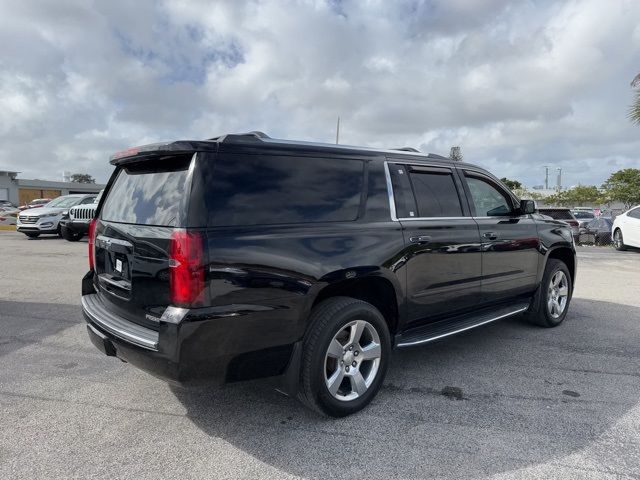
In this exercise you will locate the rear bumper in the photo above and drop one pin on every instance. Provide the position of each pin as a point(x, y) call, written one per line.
point(213, 345)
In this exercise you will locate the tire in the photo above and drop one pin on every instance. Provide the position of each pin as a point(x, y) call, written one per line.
point(70, 235)
point(331, 323)
point(547, 309)
point(618, 241)
point(32, 234)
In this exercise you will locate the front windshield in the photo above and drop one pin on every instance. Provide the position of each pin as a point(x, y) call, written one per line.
point(63, 202)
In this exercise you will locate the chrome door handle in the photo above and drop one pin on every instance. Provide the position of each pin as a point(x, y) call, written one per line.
point(422, 239)
point(490, 235)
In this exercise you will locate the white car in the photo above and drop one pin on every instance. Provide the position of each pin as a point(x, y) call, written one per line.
point(36, 221)
point(626, 229)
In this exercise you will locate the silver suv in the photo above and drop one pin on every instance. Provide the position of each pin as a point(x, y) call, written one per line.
point(46, 220)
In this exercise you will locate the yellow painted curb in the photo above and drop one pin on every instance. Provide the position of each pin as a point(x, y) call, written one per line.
point(11, 228)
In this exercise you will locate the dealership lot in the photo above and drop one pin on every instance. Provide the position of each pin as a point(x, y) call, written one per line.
point(504, 401)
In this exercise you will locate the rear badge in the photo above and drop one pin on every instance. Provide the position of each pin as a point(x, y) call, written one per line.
point(118, 265)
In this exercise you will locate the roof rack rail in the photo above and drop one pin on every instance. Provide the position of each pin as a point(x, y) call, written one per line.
point(407, 149)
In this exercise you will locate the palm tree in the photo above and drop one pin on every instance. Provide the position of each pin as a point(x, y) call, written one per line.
point(634, 110)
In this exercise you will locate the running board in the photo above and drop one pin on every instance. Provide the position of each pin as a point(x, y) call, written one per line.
point(444, 328)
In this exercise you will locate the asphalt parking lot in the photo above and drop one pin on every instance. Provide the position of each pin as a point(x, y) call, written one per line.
point(504, 401)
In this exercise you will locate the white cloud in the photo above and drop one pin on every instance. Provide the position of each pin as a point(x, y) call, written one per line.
point(517, 85)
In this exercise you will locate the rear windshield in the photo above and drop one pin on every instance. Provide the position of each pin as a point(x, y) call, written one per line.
point(149, 193)
point(264, 189)
point(558, 214)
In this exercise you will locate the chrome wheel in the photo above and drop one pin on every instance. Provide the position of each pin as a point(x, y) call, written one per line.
point(557, 294)
point(352, 360)
point(617, 239)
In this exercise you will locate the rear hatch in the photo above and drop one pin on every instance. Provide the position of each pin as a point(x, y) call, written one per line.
point(146, 203)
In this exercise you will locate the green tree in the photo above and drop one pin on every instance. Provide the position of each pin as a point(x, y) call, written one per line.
point(583, 194)
point(82, 178)
point(512, 184)
point(456, 154)
point(624, 186)
point(634, 110)
point(559, 199)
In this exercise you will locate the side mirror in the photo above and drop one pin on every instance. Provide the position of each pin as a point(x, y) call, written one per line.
point(527, 206)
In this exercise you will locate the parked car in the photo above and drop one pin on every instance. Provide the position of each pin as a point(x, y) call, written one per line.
point(245, 256)
point(8, 215)
point(6, 204)
point(584, 217)
point(597, 231)
point(46, 220)
point(626, 229)
point(37, 203)
point(75, 224)
point(565, 215)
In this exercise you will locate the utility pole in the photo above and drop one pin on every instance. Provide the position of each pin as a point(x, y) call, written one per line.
point(546, 177)
point(559, 179)
point(338, 131)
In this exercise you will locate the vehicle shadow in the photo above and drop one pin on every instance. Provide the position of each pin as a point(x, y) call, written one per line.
point(495, 399)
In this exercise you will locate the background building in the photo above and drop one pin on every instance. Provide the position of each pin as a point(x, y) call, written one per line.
point(20, 191)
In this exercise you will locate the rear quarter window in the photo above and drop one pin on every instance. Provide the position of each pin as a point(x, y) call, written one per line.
point(266, 190)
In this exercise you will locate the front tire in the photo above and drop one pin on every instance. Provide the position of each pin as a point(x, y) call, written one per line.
point(551, 303)
point(345, 356)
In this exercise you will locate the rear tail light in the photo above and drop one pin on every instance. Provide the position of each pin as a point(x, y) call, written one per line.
point(186, 268)
point(92, 244)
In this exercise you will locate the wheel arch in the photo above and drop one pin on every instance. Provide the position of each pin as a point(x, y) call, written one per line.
point(374, 288)
point(566, 255)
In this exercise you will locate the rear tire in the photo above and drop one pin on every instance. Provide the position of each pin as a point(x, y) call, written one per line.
point(31, 234)
point(551, 302)
point(344, 356)
point(618, 240)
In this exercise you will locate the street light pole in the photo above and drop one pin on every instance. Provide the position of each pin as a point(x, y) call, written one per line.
point(546, 177)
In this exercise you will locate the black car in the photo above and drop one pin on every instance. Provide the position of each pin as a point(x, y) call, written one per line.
point(598, 231)
point(244, 256)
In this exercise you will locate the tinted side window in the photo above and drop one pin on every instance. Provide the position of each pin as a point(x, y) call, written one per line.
point(264, 190)
point(402, 194)
point(436, 194)
point(487, 199)
point(635, 213)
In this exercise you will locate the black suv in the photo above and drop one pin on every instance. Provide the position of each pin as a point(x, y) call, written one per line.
point(244, 256)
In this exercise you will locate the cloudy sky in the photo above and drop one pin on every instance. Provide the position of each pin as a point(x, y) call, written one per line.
point(518, 85)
